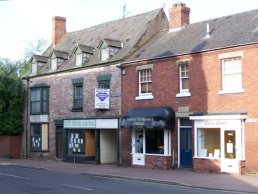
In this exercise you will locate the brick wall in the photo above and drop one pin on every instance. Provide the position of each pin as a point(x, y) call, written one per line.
point(205, 83)
point(61, 99)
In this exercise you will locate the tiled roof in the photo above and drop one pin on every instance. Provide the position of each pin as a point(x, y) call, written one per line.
point(131, 32)
point(228, 31)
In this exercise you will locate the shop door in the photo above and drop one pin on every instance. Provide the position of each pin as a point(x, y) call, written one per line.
point(185, 147)
point(59, 142)
point(138, 139)
point(229, 163)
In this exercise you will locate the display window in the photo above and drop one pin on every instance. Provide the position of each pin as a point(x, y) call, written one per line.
point(154, 141)
point(208, 142)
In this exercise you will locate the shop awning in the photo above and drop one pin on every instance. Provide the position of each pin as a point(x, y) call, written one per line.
point(149, 118)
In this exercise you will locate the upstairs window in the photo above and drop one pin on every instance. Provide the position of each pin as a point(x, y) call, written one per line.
point(104, 81)
point(232, 74)
point(39, 100)
point(145, 82)
point(56, 59)
point(108, 49)
point(34, 68)
point(183, 74)
point(78, 95)
point(82, 54)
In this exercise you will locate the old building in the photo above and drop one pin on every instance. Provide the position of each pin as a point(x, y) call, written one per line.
point(74, 89)
point(188, 96)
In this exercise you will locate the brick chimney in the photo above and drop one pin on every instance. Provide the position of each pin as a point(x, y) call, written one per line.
point(58, 29)
point(178, 15)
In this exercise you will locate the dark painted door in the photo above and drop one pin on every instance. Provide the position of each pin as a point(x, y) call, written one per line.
point(185, 147)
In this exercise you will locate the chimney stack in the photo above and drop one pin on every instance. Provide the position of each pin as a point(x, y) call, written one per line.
point(58, 29)
point(178, 15)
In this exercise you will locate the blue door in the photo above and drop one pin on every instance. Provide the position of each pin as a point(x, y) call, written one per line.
point(186, 147)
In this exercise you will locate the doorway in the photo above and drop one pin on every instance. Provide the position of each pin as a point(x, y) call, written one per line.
point(138, 146)
point(186, 147)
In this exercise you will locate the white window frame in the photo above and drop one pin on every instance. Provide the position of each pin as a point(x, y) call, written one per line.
point(34, 68)
point(183, 92)
point(53, 64)
point(230, 89)
point(148, 95)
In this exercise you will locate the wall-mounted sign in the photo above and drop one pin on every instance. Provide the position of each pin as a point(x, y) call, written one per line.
point(79, 124)
point(102, 98)
point(251, 120)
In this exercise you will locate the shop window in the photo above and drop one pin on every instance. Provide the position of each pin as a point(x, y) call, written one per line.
point(154, 141)
point(39, 100)
point(39, 137)
point(76, 142)
point(208, 142)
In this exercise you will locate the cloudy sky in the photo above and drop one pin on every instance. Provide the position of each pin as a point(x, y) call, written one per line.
point(26, 21)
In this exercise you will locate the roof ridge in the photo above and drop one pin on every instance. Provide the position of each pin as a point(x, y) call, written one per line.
point(113, 21)
point(225, 16)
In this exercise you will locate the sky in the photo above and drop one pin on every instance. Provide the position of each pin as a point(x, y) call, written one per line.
point(25, 21)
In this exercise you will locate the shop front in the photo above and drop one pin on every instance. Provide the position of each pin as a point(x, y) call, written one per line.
point(151, 136)
point(91, 140)
point(218, 143)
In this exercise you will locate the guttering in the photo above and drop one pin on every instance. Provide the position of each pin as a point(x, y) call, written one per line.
point(176, 55)
point(74, 69)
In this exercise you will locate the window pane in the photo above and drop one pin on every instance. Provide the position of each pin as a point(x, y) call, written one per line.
point(76, 141)
point(35, 95)
point(154, 141)
point(185, 83)
point(78, 96)
point(44, 100)
point(79, 59)
point(139, 141)
point(232, 74)
point(53, 65)
point(36, 137)
point(145, 81)
point(34, 68)
point(104, 54)
point(208, 142)
point(104, 85)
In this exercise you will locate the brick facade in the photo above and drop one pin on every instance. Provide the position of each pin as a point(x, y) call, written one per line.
point(61, 100)
point(205, 79)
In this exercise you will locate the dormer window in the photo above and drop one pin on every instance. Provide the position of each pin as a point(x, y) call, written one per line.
point(108, 49)
point(82, 54)
point(37, 62)
point(56, 59)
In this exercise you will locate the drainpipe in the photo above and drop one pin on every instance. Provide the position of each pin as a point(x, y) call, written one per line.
point(27, 121)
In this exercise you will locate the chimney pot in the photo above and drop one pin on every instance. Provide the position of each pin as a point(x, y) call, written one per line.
point(58, 29)
point(178, 15)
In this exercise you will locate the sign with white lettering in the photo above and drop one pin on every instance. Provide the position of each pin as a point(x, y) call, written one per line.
point(102, 98)
point(251, 120)
point(80, 124)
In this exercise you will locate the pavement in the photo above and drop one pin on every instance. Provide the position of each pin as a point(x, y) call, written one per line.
point(231, 183)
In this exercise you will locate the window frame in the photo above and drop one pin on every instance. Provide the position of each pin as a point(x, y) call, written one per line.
point(144, 82)
point(183, 92)
point(228, 89)
point(77, 82)
point(40, 101)
point(40, 149)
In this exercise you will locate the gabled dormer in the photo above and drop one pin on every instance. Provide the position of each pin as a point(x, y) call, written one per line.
point(108, 48)
point(82, 54)
point(56, 58)
point(37, 62)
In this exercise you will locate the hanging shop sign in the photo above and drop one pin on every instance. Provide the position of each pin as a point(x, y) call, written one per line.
point(102, 98)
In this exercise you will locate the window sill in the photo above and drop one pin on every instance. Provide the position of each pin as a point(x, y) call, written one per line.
point(183, 94)
point(145, 97)
point(77, 109)
point(231, 92)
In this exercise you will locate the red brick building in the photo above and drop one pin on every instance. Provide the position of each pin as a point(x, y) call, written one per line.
point(188, 96)
point(74, 89)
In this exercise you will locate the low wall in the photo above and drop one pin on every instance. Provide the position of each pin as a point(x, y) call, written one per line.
point(206, 165)
point(10, 147)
